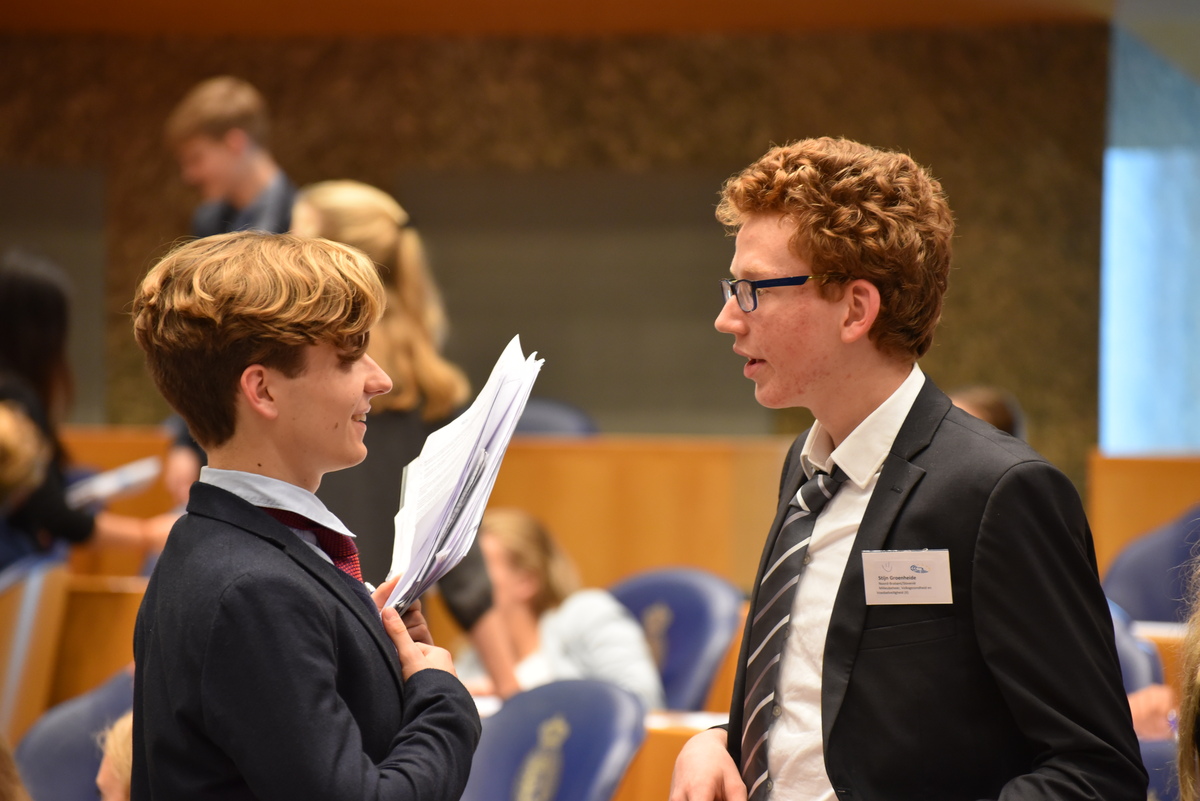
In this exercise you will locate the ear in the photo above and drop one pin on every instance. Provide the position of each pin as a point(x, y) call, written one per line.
point(861, 301)
point(255, 391)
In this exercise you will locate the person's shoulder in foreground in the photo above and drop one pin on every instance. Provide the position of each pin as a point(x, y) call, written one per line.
point(1011, 689)
point(264, 670)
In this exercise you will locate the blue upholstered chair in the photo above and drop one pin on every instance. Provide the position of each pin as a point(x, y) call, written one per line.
point(564, 741)
point(551, 417)
point(1141, 664)
point(690, 618)
point(1149, 576)
point(1159, 758)
point(59, 756)
point(33, 593)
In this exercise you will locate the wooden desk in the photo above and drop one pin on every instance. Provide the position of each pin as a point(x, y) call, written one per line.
point(619, 505)
point(97, 632)
point(103, 448)
point(1168, 638)
point(1166, 487)
point(649, 775)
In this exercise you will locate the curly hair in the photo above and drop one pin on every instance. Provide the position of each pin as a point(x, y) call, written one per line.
point(214, 306)
point(860, 213)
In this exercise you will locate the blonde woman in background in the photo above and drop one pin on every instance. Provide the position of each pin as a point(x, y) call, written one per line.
point(558, 631)
point(427, 391)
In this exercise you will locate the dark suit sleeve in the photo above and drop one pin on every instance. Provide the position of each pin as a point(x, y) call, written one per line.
point(289, 731)
point(1038, 607)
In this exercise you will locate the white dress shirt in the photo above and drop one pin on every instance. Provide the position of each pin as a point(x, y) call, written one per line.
point(275, 494)
point(795, 753)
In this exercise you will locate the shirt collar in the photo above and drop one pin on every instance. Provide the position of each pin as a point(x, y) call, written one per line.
point(862, 453)
point(262, 490)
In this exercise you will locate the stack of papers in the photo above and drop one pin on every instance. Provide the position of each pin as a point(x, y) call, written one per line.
point(444, 490)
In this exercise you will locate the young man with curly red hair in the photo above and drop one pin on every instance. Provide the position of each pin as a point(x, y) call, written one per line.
point(927, 621)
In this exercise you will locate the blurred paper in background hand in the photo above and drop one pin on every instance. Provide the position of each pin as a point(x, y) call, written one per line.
point(445, 489)
point(122, 480)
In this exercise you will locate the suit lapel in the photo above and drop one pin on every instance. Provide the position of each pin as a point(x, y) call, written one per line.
point(897, 479)
point(219, 504)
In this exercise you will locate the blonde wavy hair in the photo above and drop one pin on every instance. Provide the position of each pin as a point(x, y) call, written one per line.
point(1189, 706)
point(862, 213)
point(532, 550)
point(408, 340)
point(214, 306)
point(116, 743)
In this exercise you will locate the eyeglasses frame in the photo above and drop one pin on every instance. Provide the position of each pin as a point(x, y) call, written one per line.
point(729, 287)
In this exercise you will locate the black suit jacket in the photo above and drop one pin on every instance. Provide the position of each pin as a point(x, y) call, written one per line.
point(1011, 692)
point(263, 673)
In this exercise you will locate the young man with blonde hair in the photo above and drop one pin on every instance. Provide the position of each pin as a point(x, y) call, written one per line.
point(219, 133)
point(264, 669)
point(926, 622)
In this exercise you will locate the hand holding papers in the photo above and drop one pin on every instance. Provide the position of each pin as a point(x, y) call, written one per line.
point(445, 489)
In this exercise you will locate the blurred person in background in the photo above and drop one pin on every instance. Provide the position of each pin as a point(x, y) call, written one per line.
point(558, 630)
point(35, 377)
point(219, 133)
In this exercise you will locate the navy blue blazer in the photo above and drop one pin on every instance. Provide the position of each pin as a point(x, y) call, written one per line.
point(1014, 690)
point(262, 673)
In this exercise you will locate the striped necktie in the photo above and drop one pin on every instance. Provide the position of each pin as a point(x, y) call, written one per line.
point(771, 613)
point(341, 549)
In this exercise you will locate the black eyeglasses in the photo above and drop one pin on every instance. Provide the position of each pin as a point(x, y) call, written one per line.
point(747, 291)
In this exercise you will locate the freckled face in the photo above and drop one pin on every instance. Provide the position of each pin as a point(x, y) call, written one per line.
point(791, 341)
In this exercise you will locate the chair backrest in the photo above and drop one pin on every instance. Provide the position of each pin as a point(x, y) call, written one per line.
point(59, 756)
point(564, 741)
point(1159, 758)
point(1141, 664)
point(690, 616)
point(548, 416)
point(33, 595)
point(1148, 578)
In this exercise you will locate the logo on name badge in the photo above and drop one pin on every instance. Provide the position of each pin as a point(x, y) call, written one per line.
point(917, 569)
point(887, 566)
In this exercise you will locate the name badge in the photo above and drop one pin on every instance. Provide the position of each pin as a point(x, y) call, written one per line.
point(907, 577)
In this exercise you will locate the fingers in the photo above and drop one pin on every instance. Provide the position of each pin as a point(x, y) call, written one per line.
point(704, 771)
point(414, 656)
point(412, 659)
point(418, 627)
point(384, 591)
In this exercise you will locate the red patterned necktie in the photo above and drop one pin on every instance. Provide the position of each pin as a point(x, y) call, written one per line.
point(341, 549)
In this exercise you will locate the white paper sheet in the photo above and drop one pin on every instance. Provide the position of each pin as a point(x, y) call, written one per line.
point(445, 489)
